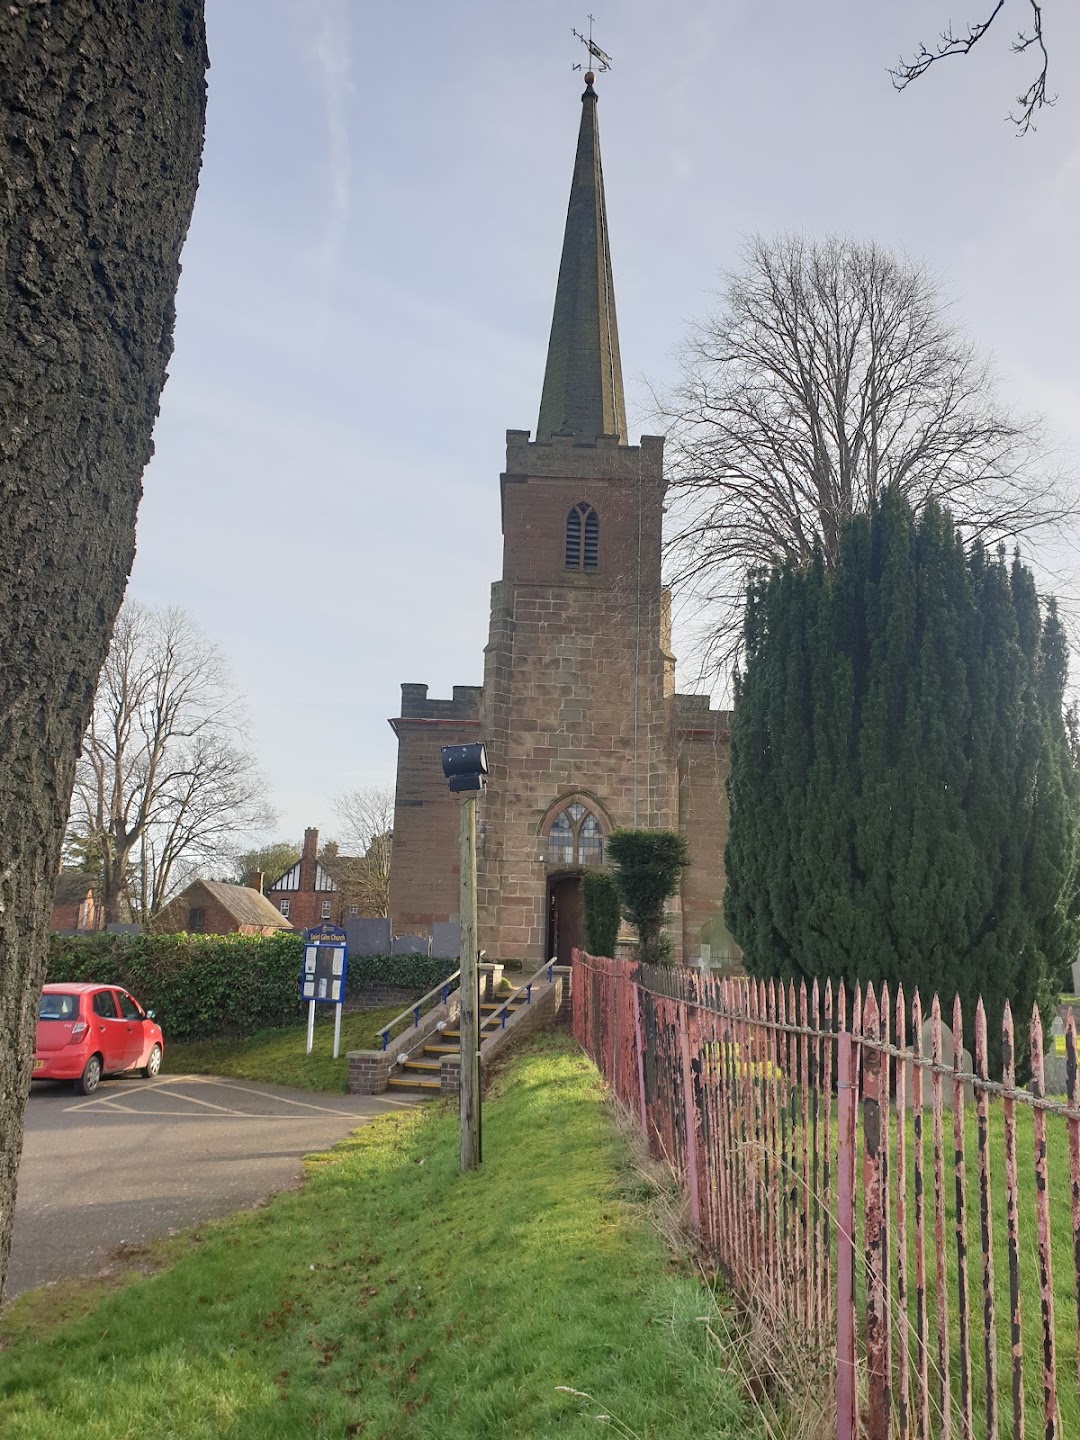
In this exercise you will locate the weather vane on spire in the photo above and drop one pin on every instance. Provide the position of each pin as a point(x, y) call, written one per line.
point(601, 57)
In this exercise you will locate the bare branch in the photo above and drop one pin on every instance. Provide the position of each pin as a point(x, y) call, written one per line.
point(367, 818)
point(949, 44)
point(832, 371)
point(163, 784)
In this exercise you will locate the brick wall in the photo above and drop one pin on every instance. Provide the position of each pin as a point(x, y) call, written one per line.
point(380, 997)
point(80, 910)
point(369, 1070)
point(306, 903)
point(84, 915)
point(216, 919)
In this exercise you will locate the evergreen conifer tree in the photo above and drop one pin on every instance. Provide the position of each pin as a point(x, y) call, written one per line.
point(904, 789)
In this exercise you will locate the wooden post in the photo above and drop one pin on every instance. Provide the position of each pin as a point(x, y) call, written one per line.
point(470, 1010)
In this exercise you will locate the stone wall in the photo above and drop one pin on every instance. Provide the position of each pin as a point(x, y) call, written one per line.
point(569, 653)
point(424, 871)
point(703, 737)
point(545, 1008)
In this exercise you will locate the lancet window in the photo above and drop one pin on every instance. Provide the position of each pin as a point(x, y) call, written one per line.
point(582, 537)
point(575, 837)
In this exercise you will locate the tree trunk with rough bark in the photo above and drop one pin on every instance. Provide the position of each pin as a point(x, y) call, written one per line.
point(101, 123)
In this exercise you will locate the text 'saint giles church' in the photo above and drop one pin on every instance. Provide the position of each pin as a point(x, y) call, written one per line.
point(584, 730)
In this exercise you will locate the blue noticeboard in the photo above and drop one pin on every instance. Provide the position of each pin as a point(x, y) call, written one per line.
point(322, 979)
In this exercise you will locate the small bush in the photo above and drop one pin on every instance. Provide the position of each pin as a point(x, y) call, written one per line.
point(602, 912)
point(648, 864)
point(205, 985)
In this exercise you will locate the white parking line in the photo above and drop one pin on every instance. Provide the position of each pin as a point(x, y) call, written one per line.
point(171, 1083)
point(225, 1115)
point(281, 1099)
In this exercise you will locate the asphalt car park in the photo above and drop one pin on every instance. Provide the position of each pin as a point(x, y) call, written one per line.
point(141, 1158)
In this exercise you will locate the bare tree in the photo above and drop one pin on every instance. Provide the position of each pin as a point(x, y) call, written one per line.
point(367, 820)
point(949, 43)
point(163, 783)
point(832, 371)
point(101, 126)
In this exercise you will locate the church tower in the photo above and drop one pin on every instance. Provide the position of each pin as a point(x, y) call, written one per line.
point(583, 730)
point(577, 674)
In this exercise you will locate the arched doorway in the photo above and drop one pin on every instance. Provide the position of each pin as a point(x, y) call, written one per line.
point(574, 839)
point(566, 917)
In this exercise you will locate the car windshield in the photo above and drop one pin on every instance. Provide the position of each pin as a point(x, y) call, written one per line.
point(58, 1007)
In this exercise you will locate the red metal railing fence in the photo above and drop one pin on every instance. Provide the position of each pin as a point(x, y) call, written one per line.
point(811, 1136)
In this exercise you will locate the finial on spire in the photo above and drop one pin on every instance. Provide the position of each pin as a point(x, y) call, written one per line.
point(602, 58)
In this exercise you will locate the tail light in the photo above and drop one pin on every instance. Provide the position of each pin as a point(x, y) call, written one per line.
point(78, 1030)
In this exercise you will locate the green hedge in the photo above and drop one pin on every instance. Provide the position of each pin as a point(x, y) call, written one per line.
point(204, 985)
point(602, 912)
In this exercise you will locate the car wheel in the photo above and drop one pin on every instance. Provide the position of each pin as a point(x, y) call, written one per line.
point(153, 1064)
point(88, 1081)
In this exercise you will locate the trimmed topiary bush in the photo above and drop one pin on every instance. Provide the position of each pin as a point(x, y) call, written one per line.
point(648, 864)
point(602, 912)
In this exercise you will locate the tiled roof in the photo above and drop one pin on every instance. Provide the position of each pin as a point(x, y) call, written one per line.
point(72, 887)
point(246, 906)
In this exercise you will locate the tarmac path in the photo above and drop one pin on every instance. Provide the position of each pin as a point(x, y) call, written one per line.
point(142, 1158)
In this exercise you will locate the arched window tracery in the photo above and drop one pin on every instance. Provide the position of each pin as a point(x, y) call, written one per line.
point(575, 837)
point(582, 537)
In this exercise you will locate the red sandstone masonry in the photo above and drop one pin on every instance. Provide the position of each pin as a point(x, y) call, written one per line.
point(566, 653)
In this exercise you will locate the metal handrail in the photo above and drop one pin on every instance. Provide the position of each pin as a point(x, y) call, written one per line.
point(526, 988)
point(414, 1009)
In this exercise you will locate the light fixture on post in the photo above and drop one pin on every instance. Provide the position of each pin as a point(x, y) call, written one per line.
point(466, 769)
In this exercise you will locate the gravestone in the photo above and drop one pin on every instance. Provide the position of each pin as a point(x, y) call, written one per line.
point(947, 1053)
point(1054, 1072)
point(410, 945)
point(368, 936)
point(445, 939)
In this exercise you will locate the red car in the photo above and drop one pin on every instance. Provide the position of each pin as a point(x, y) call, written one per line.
point(87, 1031)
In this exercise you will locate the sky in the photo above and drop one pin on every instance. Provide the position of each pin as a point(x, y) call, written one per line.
point(368, 282)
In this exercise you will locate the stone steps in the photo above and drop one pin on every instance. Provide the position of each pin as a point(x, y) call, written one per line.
point(420, 1076)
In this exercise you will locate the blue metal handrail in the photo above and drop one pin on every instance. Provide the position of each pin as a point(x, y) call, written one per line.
point(525, 989)
point(443, 989)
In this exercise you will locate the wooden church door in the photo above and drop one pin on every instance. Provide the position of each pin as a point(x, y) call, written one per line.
point(566, 918)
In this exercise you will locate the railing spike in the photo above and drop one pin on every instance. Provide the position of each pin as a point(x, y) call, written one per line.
point(1042, 1222)
point(1012, 1218)
point(1072, 1083)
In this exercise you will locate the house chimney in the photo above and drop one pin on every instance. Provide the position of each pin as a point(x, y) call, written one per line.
point(255, 881)
point(309, 861)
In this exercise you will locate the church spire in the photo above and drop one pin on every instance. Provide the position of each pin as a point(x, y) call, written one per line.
point(583, 388)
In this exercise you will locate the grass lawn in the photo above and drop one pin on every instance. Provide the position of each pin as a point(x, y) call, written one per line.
point(397, 1299)
point(277, 1056)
